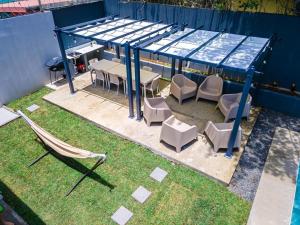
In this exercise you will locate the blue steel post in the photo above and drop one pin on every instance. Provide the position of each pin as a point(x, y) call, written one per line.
point(173, 65)
point(129, 79)
point(136, 53)
point(65, 60)
point(239, 115)
point(180, 66)
point(118, 51)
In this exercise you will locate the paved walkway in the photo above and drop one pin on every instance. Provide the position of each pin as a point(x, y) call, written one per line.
point(247, 175)
point(274, 199)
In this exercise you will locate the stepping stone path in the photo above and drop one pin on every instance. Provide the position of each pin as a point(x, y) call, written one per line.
point(158, 174)
point(32, 108)
point(122, 216)
point(141, 194)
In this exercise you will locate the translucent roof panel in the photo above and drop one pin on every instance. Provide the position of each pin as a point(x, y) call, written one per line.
point(246, 53)
point(216, 50)
point(140, 33)
point(186, 45)
point(123, 31)
point(102, 27)
point(165, 41)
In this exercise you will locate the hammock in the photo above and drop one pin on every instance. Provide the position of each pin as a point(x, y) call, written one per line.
point(52, 143)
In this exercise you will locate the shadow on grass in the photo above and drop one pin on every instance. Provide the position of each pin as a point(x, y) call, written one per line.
point(75, 165)
point(19, 206)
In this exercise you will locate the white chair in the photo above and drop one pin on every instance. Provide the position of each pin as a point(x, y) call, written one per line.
point(91, 61)
point(219, 134)
point(116, 60)
point(147, 68)
point(116, 80)
point(153, 86)
point(101, 76)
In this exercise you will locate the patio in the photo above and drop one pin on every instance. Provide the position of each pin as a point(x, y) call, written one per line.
point(110, 112)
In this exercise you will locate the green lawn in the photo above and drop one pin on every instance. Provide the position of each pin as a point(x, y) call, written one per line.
point(37, 193)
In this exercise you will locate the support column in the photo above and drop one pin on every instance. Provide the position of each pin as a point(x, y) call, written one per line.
point(180, 66)
point(129, 79)
point(118, 51)
point(136, 53)
point(173, 67)
point(64, 58)
point(239, 115)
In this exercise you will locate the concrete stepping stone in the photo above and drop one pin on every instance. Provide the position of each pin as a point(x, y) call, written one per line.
point(158, 174)
point(141, 194)
point(32, 108)
point(122, 216)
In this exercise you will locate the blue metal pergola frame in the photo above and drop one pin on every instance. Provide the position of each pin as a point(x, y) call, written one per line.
point(142, 42)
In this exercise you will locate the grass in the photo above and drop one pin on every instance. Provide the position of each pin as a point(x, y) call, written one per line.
point(37, 193)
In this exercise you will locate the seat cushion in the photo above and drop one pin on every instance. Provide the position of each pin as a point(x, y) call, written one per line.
point(160, 105)
point(226, 103)
point(178, 125)
point(187, 90)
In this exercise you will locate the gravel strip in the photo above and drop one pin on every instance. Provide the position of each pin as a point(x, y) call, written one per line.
point(247, 175)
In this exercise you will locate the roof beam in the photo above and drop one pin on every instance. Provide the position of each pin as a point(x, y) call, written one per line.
point(87, 23)
point(201, 46)
point(132, 32)
point(153, 32)
point(115, 28)
point(150, 40)
point(178, 39)
point(96, 25)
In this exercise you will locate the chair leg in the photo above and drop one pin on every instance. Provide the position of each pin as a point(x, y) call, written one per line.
point(152, 93)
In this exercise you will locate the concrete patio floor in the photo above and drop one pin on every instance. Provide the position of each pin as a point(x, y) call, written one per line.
point(110, 112)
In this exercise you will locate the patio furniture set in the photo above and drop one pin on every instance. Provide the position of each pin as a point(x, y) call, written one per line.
point(113, 72)
point(176, 133)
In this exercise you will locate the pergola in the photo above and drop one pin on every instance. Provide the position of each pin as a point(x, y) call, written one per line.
point(222, 50)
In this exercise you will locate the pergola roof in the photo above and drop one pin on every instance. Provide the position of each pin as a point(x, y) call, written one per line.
point(232, 51)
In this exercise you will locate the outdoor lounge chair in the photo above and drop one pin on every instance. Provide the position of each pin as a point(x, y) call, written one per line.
point(211, 88)
point(156, 110)
point(229, 104)
point(51, 144)
point(219, 134)
point(176, 133)
point(182, 87)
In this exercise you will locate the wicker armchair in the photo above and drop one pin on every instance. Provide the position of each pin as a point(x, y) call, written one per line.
point(182, 87)
point(177, 133)
point(156, 110)
point(211, 88)
point(219, 134)
point(229, 104)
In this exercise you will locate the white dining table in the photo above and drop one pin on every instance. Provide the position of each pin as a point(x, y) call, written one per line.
point(146, 77)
